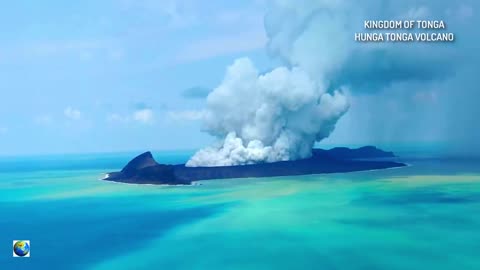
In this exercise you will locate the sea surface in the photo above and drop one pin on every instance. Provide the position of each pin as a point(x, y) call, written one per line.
point(424, 216)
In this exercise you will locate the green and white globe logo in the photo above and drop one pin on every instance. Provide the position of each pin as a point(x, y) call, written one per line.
point(21, 248)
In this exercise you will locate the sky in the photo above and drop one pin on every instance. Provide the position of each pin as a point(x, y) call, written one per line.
point(95, 76)
point(125, 75)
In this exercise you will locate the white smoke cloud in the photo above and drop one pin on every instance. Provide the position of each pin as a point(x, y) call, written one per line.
point(280, 115)
point(265, 118)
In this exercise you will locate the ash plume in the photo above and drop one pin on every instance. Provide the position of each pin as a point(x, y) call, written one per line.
point(279, 115)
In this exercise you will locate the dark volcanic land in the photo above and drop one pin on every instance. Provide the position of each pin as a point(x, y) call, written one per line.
point(143, 169)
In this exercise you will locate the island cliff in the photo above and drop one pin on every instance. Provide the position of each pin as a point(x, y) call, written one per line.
point(143, 169)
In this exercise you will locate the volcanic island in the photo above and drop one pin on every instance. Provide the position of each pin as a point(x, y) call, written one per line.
point(144, 169)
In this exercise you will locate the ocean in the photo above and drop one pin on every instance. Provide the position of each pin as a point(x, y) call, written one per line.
point(424, 216)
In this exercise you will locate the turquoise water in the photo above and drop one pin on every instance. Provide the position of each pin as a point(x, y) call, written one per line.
point(421, 217)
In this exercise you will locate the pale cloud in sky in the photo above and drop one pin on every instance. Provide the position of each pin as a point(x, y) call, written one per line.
point(72, 114)
point(143, 116)
point(117, 118)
